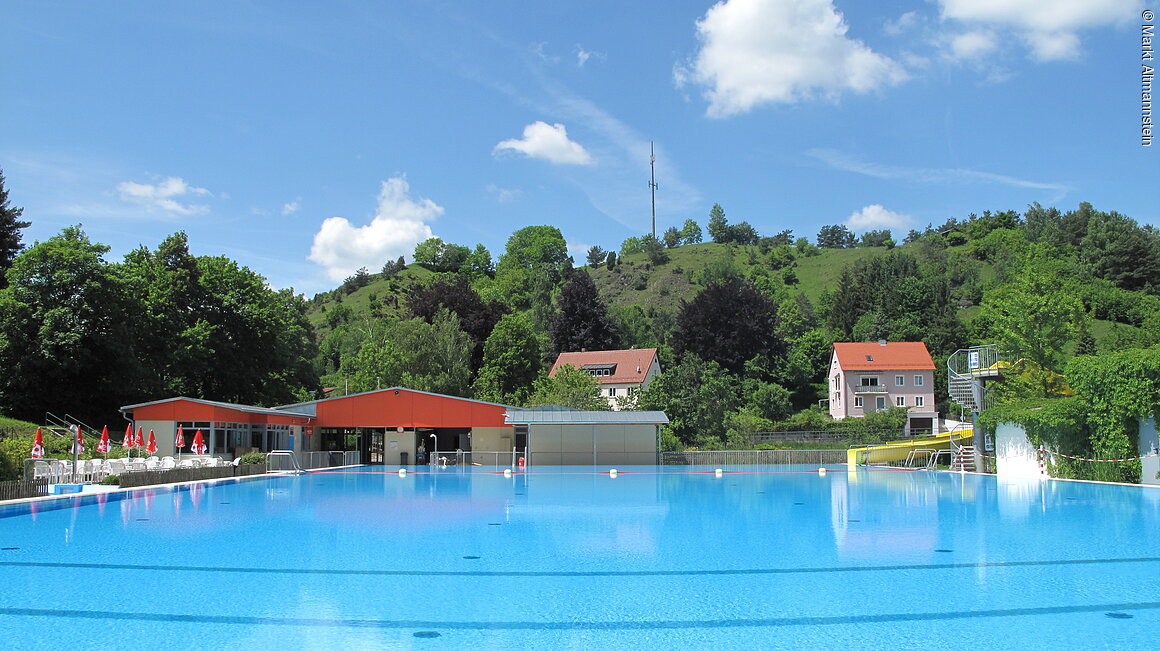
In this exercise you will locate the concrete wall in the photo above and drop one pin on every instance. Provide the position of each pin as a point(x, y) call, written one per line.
point(164, 431)
point(1149, 444)
point(615, 444)
point(1015, 456)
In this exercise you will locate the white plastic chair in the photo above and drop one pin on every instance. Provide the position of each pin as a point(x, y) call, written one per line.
point(41, 470)
point(167, 463)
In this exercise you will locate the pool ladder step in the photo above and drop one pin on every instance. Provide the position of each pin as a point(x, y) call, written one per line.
point(964, 460)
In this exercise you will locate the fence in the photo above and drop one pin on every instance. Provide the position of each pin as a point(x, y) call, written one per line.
point(752, 457)
point(24, 488)
point(312, 460)
point(154, 477)
point(828, 436)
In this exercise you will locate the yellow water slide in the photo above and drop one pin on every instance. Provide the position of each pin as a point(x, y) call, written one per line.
point(900, 450)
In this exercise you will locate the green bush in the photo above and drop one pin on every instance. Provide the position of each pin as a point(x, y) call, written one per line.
point(111, 480)
point(253, 459)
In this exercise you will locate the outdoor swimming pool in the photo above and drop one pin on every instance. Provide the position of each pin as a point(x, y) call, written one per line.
point(764, 557)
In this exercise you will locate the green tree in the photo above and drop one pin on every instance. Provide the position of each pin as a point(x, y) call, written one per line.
point(876, 238)
point(1038, 314)
point(718, 225)
point(10, 227)
point(596, 256)
point(631, 245)
point(581, 321)
point(532, 266)
point(476, 316)
point(569, 387)
point(511, 362)
point(696, 396)
point(728, 323)
point(671, 237)
point(657, 255)
point(835, 236)
point(478, 264)
point(690, 232)
point(423, 356)
point(66, 339)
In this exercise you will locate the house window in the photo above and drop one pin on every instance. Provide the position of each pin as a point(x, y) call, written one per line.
point(838, 398)
point(919, 401)
point(899, 380)
point(632, 390)
point(611, 392)
point(918, 380)
point(857, 401)
point(900, 401)
point(880, 403)
point(869, 380)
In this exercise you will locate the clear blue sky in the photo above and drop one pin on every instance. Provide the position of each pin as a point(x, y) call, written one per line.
point(307, 139)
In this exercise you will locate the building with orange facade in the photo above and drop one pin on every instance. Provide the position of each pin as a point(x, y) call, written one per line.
point(399, 426)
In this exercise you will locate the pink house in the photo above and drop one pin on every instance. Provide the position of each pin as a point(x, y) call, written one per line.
point(869, 377)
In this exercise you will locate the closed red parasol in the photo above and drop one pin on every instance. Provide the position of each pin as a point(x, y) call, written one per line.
point(103, 445)
point(38, 445)
point(179, 441)
point(79, 444)
point(151, 446)
point(198, 446)
point(127, 442)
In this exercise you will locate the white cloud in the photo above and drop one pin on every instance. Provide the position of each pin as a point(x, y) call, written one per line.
point(903, 23)
point(292, 207)
point(549, 142)
point(972, 45)
point(1048, 28)
point(398, 225)
point(840, 161)
point(582, 56)
point(876, 216)
point(504, 195)
point(756, 52)
point(163, 195)
point(540, 50)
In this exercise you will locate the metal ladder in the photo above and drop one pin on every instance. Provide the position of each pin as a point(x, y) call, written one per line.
point(964, 460)
point(295, 467)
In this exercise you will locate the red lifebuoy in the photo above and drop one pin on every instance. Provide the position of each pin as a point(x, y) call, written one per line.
point(521, 463)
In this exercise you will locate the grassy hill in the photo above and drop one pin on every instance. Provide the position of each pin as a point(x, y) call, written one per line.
point(634, 281)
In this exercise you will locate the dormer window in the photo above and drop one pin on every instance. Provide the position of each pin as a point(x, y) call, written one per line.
point(599, 370)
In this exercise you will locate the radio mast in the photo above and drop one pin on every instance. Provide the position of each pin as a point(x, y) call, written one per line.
point(652, 184)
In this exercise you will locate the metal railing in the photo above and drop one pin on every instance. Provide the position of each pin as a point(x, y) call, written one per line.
point(331, 459)
point(752, 457)
point(282, 461)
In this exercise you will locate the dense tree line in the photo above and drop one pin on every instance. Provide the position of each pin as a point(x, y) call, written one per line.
point(80, 335)
point(744, 350)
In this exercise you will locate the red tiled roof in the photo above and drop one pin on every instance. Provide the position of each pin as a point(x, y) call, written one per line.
point(869, 356)
point(631, 365)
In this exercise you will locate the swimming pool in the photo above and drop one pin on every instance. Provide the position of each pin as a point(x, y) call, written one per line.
point(764, 557)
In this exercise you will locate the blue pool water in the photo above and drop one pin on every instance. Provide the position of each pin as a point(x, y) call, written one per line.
point(673, 557)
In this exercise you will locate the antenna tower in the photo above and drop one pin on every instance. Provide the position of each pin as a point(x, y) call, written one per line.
point(652, 184)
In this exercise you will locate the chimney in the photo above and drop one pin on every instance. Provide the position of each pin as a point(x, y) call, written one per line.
point(881, 342)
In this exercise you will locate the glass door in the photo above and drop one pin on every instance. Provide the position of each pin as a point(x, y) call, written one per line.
point(375, 449)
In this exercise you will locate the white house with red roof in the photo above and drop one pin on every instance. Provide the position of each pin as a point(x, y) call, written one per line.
point(619, 372)
point(866, 377)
